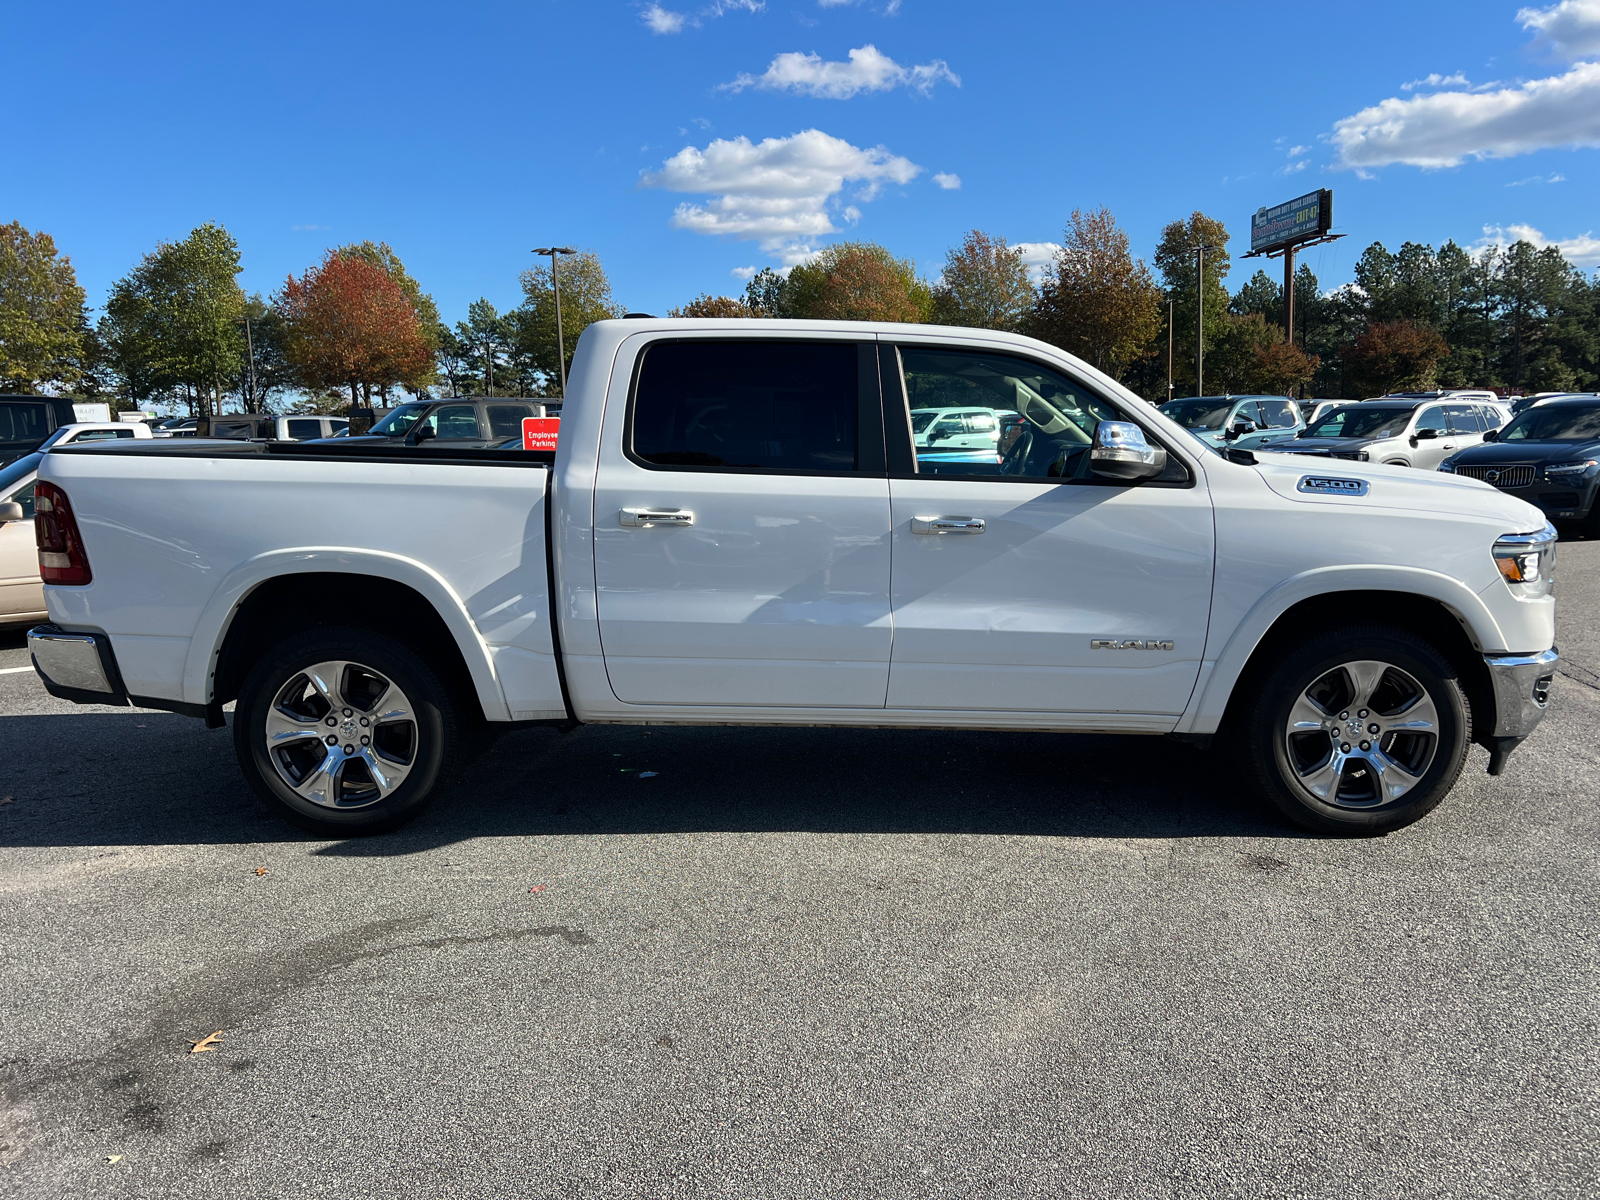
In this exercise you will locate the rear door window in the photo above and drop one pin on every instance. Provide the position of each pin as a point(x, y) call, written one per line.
point(505, 420)
point(1279, 414)
point(750, 405)
point(1463, 418)
point(23, 423)
point(301, 428)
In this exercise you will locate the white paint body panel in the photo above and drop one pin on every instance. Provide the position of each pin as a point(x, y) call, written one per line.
point(792, 600)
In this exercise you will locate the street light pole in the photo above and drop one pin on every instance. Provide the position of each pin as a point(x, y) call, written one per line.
point(555, 278)
point(1200, 319)
point(1171, 313)
point(251, 347)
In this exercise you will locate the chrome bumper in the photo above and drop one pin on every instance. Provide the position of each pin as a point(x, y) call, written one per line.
point(76, 666)
point(1521, 690)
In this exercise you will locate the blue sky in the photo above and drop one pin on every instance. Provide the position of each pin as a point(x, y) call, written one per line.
point(466, 134)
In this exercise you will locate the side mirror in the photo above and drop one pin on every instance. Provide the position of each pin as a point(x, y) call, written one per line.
point(10, 510)
point(1241, 427)
point(422, 433)
point(1492, 435)
point(1120, 452)
point(1427, 435)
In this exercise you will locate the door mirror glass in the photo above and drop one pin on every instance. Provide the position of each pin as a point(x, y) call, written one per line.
point(1120, 452)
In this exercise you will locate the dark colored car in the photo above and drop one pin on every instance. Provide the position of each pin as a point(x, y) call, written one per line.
point(1548, 455)
point(474, 424)
point(26, 421)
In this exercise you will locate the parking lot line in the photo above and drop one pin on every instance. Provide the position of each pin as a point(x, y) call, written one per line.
point(14, 670)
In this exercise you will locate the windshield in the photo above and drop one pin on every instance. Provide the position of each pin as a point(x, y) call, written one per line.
point(1198, 414)
point(1554, 425)
point(1361, 421)
point(21, 469)
point(399, 422)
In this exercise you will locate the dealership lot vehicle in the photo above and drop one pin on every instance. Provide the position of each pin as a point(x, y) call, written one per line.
point(21, 590)
point(737, 527)
point(1549, 455)
point(272, 428)
point(26, 421)
point(1398, 433)
point(96, 431)
point(1243, 422)
point(461, 424)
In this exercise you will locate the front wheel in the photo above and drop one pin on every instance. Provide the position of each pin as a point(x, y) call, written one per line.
point(344, 731)
point(1362, 730)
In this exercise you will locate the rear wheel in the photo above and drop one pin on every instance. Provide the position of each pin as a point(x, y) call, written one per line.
point(1362, 730)
point(344, 731)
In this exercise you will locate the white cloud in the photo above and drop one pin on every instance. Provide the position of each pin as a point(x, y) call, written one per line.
point(949, 182)
point(1297, 151)
point(1556, 178)
point(889, 9)
point(1291, 168)
point(1436, 80)
point(1036, 256)
point(1441, 129)
point(1583, 250)
point(780, 192)
point(745, 272)
point(869, 70)
point(1571, 28)
point(665, 20)
point(661, 20)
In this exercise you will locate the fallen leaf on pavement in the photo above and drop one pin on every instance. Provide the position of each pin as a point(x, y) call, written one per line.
point(210, 1042)
point(261, 871)
point(112, 1158)
point(8, 799)
point(538, 887)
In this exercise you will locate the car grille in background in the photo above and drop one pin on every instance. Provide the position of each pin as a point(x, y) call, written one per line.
point(1513, 475)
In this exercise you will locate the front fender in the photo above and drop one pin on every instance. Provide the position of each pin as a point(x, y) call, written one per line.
point(1221, 669)
point(215, 618)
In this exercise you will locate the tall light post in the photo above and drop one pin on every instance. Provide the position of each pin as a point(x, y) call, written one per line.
point(1171, 313)
point(251, 347)
point(555, 278)
point(1200, 319)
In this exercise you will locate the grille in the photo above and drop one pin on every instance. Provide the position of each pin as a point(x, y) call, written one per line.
point(1513, 475)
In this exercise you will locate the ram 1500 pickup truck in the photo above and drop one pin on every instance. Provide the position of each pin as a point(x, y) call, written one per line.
point(738, 527)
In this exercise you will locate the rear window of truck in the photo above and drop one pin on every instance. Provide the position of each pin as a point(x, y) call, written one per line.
point(748, 405)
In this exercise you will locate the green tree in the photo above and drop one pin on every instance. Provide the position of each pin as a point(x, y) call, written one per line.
point(714, 306)
point(1097, 301)
point(984, 285)
point(488, 337)
point(174, 321)
point(585, 298)
point(453, 358)
point(1233, 362)
point(857, 281)
point(1175, 259)
point(1394, 356)
point(42, 315)
point(764, 294)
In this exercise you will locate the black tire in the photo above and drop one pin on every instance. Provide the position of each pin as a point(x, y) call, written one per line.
point(1280, 759)
point(427, 752)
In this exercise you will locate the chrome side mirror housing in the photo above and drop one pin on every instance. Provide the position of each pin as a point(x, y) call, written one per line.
point(1120, 452)
point(10, 510)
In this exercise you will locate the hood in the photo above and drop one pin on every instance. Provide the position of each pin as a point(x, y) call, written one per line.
point(1526, 452)
point(1403, 488)
point(1324, 445)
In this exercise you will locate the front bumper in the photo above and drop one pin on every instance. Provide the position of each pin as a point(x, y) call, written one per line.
point(1521, 685)
point(76, 666)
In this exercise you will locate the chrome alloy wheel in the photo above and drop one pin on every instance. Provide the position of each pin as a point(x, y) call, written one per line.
point(341, 735)
point(1362, 735)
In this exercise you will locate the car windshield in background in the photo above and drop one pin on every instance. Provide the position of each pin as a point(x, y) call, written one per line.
point(1199, 414)
point(1554, 425)
point(399, 422)
point(21, 469)
point(1361, 421)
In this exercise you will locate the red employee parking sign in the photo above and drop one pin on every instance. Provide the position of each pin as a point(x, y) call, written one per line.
point(539, 433)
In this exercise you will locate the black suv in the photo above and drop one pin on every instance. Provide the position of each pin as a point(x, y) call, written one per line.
point(1548, 455)
point(471, 424)
point(26, 421)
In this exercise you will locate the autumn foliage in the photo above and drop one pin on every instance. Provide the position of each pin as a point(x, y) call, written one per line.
point(714, 306)
point(1392, 355)
point(349, 324)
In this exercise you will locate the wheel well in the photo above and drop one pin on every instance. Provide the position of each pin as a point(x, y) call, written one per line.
point(1422, 616)
point(291, 604)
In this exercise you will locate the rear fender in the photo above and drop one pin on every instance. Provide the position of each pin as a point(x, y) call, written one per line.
point(212, 629)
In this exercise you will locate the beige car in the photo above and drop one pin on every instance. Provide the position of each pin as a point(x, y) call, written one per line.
point(21, 592)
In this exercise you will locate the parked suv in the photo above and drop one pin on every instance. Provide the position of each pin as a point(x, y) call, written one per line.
point(1397, 432)
point(271, 428)
point(467, 424)
point(26, 421)
point(1548, 455)
point(1243, 422)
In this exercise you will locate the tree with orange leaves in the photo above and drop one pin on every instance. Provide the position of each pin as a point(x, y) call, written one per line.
point(348, 324)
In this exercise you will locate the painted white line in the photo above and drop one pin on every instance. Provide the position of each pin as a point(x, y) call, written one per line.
point(14, 670)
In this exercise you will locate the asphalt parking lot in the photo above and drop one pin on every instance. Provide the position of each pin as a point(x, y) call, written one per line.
point(801, 963)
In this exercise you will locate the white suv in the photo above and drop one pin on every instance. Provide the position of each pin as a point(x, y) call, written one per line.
point(1397, 432)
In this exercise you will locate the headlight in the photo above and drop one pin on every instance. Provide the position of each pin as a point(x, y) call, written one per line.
point(1567, 471)
point(1448, 466)
point(1527, 562)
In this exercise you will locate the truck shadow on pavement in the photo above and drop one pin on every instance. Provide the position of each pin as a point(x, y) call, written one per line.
point(144, 778)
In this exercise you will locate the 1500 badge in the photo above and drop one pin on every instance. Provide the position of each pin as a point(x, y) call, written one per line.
point(1129, 644)
point(1328, 486)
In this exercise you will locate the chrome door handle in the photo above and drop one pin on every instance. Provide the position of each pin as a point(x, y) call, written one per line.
point(643, 518)
point(946, 524)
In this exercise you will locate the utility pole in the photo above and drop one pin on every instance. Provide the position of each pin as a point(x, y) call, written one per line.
point(1288, 295)
point(555, 278)
point(1200, 319)
point(1171, 314)
point(251, 347)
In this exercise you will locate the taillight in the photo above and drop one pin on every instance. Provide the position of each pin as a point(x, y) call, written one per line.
point(61, 556)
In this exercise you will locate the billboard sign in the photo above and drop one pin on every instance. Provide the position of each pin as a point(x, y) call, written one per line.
point(1308, 216)
point(539, 433)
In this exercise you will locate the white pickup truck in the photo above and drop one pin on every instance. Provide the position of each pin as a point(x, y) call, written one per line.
point(738, 527)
